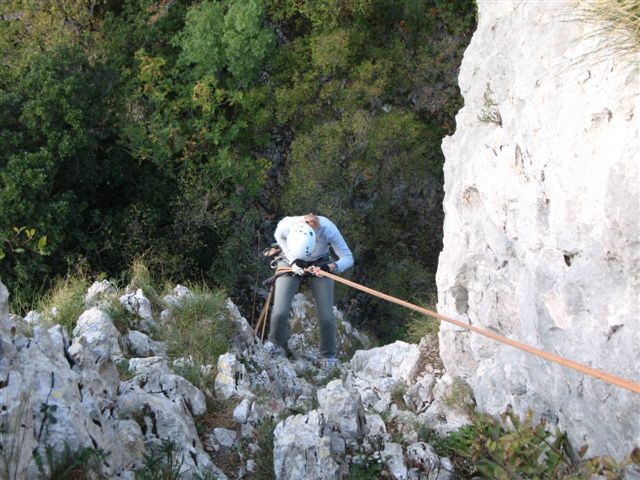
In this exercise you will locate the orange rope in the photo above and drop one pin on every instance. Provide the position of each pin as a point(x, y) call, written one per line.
point(604, 376)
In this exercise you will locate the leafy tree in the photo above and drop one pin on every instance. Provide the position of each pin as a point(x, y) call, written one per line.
point(57, 162)
point(246, 41)
point(185, 128)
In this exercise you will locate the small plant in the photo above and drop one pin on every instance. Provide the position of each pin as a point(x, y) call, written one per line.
point(366, 467)
point(490, 113)
point(65, 302)
point(264, 456)
point(123, 370)
point(397, 395)
point(118, 314)
point(83, 463)
point(429, 435)
point(325, 377)
point(163, 463)
point(459, 396)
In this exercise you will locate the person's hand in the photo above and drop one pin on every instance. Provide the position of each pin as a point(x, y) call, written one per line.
point(325, 267)
point(297, 270)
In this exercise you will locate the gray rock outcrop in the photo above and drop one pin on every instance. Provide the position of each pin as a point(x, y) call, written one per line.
point(61, 395)
point(542, 221)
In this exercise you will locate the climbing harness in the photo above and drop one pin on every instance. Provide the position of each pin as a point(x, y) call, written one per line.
point(599, 374)
point(273, 252)
point(270, 283)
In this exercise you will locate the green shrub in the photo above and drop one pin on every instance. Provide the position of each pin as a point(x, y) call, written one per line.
point(510, 448)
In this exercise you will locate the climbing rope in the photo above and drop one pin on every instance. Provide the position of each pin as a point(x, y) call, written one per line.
point(604, 376)
point(270, 283)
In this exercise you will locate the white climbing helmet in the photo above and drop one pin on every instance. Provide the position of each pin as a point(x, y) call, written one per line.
point(301, 241)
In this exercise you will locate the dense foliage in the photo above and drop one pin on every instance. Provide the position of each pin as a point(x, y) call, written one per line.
point(183, 130)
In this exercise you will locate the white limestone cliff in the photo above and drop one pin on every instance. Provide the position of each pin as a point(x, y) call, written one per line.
point(542, 221)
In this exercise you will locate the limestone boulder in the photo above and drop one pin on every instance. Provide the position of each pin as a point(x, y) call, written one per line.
point(300, 450)
point(342, 411)
point(99, 293)
point(139, 305)
point(231, 379)
point(380, 373)
point(163, 420)
point(154, 376)
point(393, 457)
point(45, 403)
point(141, 345)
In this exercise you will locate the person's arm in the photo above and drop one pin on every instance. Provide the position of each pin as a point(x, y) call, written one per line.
point(282, 230)
point(340, 247)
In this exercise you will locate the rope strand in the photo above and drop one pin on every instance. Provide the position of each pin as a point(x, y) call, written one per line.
point(593, 372)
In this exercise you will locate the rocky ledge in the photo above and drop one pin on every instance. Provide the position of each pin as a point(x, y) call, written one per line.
point(116, 392)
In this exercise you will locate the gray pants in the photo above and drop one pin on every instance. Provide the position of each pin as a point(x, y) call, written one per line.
point(285, 288)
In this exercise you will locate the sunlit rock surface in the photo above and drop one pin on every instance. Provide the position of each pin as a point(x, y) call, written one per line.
point(542, 221)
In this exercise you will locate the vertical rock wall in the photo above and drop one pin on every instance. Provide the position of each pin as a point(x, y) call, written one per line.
point(542, 221)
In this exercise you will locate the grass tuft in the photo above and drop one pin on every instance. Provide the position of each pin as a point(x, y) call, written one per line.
point(616, 20)
point(65, 302)
point(118, 314)
point(142, 278)
point(419, 325)
point(199, 328)
point(81, 464)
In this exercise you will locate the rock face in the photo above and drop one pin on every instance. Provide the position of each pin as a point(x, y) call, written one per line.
point(542, 221)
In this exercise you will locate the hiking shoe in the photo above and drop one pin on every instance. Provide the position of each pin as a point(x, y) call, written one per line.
point(329, 363)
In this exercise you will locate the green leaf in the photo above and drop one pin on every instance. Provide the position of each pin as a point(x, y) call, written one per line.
point(19, 250)
point(42, 242)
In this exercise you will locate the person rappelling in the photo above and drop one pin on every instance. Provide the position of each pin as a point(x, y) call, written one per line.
point(305, 242)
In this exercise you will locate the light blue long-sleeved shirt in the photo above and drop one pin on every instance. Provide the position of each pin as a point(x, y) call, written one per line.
point(329, 235)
